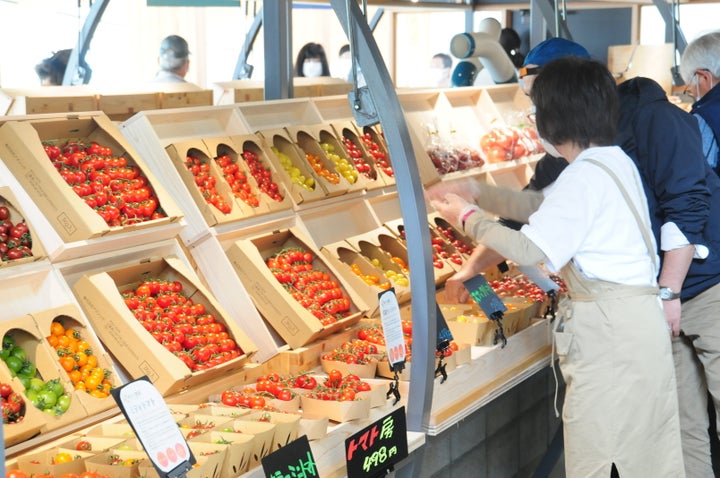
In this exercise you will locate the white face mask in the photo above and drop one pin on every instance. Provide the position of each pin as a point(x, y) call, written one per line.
point(312, 69)
point(342, 68)
point(549, 148)
point(438, 76)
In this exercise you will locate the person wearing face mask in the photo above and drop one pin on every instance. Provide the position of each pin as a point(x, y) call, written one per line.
point(547, 169)
point(700, 68)
point(311, 61)
point(440, 70)
point(620, 413)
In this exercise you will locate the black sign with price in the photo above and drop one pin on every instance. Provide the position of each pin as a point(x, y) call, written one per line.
point(374, 450)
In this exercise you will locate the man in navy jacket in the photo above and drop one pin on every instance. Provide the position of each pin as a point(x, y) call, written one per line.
point(684, 200)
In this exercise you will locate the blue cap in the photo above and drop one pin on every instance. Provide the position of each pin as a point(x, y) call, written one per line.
point(552, 49)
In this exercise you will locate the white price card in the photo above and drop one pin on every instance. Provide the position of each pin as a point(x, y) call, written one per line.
point(392, 327)
point(153, 424)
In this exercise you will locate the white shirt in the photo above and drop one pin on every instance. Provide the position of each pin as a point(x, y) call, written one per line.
point(584, 218)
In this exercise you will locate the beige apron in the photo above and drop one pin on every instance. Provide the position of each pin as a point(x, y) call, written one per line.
point(621, 401)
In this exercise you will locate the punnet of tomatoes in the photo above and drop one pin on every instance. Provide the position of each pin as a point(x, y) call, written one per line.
point(355, 151)
point(521, 286)
point(313, 288)
point(237, 180)
point(374, 334)
point(79, 361)
point(185, 327)
point(13, 405)
point(451, 153)
point(86, 474)
point(110, 184)
point(504, 143)
point(463, 244)
point(49, 395)
point(355, 351)
point(206, 182)
point(15, 237)
point(378, 152)
point(263, 175)
point(339, 387)
point(441, 250)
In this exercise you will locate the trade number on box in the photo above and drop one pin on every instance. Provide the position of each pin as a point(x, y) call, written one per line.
point(374, 450)
point(294, 460)
point(154, 426)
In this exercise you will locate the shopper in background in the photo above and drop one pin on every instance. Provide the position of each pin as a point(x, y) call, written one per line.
point(547, 169)
point(51, 71)
point(620, 412)
point(700, 68)
point(440, 70)
point(343, 64)
point(174, 60)
point(510, 41)
point(311, 61)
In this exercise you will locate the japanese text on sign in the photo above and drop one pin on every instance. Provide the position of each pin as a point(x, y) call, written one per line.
point(304, 469)
point(377, 447)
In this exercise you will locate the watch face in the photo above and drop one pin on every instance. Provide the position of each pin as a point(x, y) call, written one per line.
point(667, 293)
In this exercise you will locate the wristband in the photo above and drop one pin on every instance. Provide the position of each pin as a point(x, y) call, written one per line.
point(466, 213)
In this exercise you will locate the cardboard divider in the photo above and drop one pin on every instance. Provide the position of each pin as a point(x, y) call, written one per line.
point(361, 275)
point(308, 140)
point(347, 133)
point(179, 154)
point(238, 450)
point(294, 170)
point(17, 216)
point(514, 177)
point(445, 259)
point(295, 324)
point(367, 177)
point(25, 334)
point(287, 426)
point(124, 336)
point(21, 149)
point(369, 247)
point(92, 444)
point(41, 463)
point(33, 420)
point(263, 433)
point(70, 316)
point(260, 171)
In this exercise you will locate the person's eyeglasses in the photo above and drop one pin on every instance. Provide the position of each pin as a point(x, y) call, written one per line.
point(693, 80)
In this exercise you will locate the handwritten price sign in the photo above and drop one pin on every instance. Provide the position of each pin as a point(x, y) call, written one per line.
point(375, 449)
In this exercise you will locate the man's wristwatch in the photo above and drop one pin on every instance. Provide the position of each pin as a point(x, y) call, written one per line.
point(666, 293)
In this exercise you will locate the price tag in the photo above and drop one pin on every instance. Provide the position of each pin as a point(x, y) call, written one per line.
point(294, 460)
point(392, 326)
point(375, 449)
point(485, 296)
point(155, 427)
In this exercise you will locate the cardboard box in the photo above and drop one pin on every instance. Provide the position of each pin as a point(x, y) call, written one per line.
point(47, 99)
point(21, 149)
point(391, 258)
point(33, 420)
point(314, 427)
point(238, 450)
point(210, 458)
point(42, 462)
point(335, 410)
point(366, 370)
point(26, 335)
point(71, 317)
point(8, 200)
point(106, 463)
point(287, 426)
point(374, 143)
point(257, 172)
point(97, 444)
point(292, 167)
point(115, 430)
point(178, 153)
point(308, 139)
point(367, 175)
point(468, 324)
point(295, 324)
point(350, 132)
point(139, 353)
point(446, 258)
point(263, 433)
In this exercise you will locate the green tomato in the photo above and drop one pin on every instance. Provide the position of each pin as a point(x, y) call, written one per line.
point(28, 369)
point(63, 403)
point(14, 364)
point(18, 352)
point(8, 342)
point(32, 395)
point(4, 353)
point(25, 380)
point(55, 386)
point(47, 399)
point(36, 384)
